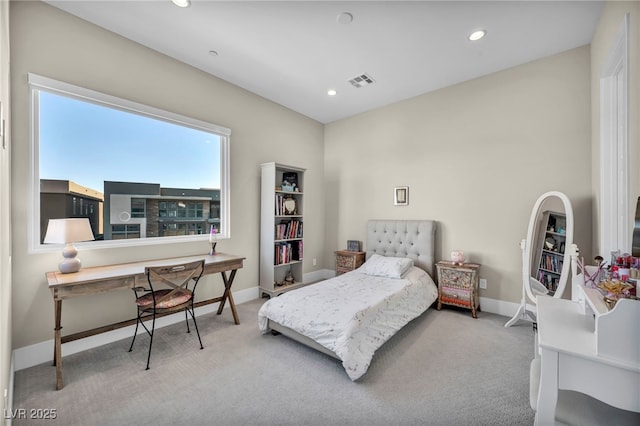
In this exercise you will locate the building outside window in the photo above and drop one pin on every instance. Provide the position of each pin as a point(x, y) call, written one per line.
point(138, 207)
point(125, 232)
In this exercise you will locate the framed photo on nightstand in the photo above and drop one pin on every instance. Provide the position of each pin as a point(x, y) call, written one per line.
point(354, 245)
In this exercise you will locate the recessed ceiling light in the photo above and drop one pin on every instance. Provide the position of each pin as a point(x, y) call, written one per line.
point(182, 3)
point(332, 92)
point(477, 35)
point(344, 18)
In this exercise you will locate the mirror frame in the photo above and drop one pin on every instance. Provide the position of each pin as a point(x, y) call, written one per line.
point(528, 244)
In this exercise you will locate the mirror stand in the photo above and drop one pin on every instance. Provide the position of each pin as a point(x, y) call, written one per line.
point(531, 287)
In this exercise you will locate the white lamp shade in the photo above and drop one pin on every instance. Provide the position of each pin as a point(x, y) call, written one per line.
point(62, 231)
point(68, 231)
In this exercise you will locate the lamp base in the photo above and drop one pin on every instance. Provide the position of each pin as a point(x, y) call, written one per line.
point(70, 263)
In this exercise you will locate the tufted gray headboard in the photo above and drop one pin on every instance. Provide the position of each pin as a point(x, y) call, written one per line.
point(403, 238)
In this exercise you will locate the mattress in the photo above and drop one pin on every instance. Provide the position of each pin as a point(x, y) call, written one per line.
point(352, 314)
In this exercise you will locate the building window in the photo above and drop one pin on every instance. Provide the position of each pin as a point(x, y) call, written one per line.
point(138, 207)
point(94, 129)
point(125, 232)
point(180, 210)
point(174, 229)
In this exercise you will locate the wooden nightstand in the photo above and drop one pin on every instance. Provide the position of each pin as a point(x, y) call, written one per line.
point(458, 285)
point(348, 260)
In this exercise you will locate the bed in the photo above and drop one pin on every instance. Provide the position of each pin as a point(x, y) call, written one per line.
point(351, 315)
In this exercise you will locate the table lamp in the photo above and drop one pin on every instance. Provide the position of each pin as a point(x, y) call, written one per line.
point(68, 231)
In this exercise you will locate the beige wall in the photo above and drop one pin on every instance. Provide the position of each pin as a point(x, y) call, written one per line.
point(51, 43)
point(608, 27)
point(476, 156)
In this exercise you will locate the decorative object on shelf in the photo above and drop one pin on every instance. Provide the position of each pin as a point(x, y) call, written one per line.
point(213, 240)
point(354, 245)
point(290, 206)
point(457, 257)
point(550, 243)
point(401, 196)
point(289, 278)
point(290, 182)
point(68, 231)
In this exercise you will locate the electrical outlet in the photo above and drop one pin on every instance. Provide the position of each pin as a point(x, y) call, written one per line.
point(483, 283)
point(315, 261)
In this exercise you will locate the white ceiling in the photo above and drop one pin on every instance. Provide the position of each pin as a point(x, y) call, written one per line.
point(292, 52)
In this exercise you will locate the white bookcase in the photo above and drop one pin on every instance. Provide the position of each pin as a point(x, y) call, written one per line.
point(281, 229)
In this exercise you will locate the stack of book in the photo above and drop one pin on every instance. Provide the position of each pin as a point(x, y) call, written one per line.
point(288, 252)
point(289, 230)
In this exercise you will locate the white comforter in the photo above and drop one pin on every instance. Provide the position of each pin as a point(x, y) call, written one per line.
point(352, 314)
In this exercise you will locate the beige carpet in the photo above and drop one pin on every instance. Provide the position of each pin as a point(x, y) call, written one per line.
point(444, 368)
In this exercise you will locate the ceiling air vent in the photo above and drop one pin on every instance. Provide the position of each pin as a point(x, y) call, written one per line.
point(361, 80)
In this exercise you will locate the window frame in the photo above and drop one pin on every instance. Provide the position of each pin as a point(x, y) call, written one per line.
point(38, 83)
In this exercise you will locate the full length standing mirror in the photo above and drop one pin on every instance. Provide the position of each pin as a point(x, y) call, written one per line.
point(545, 253)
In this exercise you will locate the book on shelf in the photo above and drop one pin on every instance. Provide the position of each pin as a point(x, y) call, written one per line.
point(288, 252)
point(288, 230)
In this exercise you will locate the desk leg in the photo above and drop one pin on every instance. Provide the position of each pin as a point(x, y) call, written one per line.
point(548, 392)
point(228, 295)
point(57, 345)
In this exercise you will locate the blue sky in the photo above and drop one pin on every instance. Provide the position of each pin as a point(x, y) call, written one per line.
point(88, 144)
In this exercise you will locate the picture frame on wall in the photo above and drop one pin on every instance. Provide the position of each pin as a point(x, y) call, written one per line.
point(401, 196)
point(354, 245)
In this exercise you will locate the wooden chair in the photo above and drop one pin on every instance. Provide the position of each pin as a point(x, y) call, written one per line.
point(168, 291)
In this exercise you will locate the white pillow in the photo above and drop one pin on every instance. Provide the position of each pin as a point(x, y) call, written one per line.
point(382, 266)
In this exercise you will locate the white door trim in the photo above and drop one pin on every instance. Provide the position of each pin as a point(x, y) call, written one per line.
point(614, 227)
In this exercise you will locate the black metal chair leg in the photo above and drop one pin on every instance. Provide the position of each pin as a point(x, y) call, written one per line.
point(186, 319)
point(135, 333)
point(195, 324)
point(153, 327)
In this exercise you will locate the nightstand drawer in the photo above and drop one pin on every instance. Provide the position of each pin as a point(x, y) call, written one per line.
point(456, 296)
point(348, 260)
point(457, 278)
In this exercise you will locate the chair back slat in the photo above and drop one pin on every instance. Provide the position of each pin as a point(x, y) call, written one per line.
point(176, 277)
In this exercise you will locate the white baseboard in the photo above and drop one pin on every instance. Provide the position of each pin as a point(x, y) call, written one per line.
point(319, 275)
point(42, 352)
point(498, 307)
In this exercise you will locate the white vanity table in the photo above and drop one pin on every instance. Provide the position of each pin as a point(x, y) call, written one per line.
point(584, 347)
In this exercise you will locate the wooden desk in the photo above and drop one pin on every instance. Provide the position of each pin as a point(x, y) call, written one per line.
point(573, 356)
point(128, 275)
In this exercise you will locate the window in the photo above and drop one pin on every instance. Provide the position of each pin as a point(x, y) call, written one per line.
point(131, 169)
point(125, 232)
point(138, 207)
